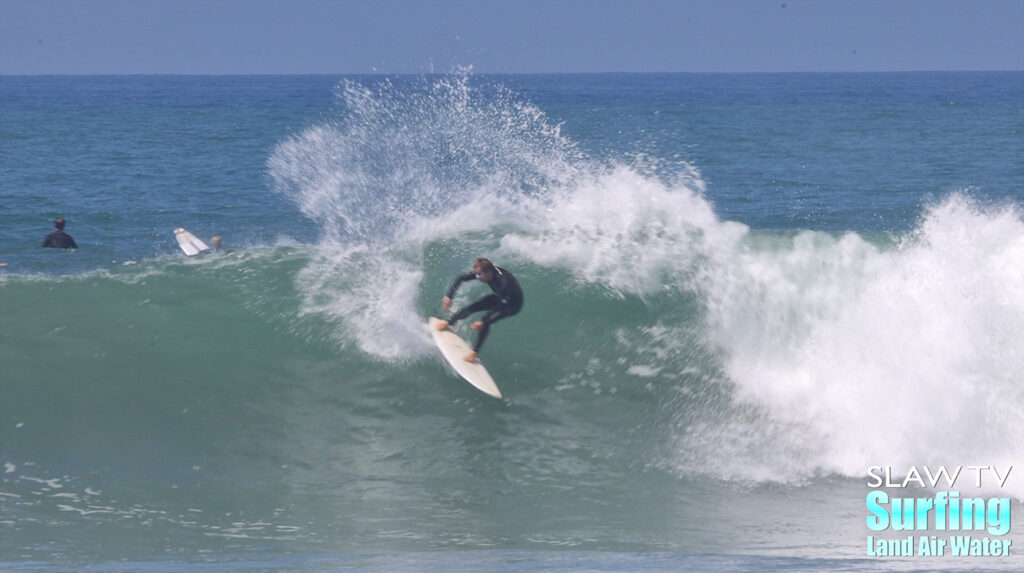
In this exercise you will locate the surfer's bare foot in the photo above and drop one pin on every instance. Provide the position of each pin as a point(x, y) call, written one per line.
point(441, 324)
point(477, 325)
point(471, 357)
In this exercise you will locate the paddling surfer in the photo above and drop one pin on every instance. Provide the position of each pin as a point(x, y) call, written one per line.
point(506, 300)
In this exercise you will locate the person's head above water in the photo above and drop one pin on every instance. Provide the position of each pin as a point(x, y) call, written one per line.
point(484, 269)
point(59, 223)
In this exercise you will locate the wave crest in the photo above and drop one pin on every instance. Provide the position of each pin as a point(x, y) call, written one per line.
point(817, 353)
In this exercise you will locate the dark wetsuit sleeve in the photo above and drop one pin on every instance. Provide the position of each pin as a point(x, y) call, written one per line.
point(496, 313)
point(459, 280)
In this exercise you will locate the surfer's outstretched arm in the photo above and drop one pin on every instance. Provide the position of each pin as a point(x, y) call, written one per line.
point(446, 302)
point(458, 281)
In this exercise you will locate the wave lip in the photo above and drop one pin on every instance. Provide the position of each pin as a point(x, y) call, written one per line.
point(832, 352)
point(858, 355)
point(402, 166)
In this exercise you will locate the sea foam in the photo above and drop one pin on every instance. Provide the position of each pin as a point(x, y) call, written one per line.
point(831, 353)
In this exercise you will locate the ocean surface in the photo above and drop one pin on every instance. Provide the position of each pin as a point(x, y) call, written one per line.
point(742, 293)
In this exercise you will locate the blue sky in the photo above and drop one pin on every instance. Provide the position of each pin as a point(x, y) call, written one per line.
point(504, 36)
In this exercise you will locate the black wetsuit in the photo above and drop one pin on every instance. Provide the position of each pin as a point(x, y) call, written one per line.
point(59, 240)
point(506, 301)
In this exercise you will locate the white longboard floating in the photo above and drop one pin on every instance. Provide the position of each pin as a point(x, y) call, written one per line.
point(454, 349)
point(189, 243)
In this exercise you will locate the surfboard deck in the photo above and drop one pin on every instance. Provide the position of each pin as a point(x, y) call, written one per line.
point(454, 348)
point(189, 243)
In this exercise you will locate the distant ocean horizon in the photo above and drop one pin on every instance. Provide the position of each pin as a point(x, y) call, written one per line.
point(744, 292)
point(471, 71)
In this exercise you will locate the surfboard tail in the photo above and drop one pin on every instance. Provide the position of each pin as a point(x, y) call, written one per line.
point(454, 349)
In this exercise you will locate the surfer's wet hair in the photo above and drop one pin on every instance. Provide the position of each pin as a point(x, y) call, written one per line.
point(483, 265)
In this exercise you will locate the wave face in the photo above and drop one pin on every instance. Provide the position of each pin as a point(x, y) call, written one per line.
point(289, 395)
point(856, 352)
point(405, 166)
point(804, 336)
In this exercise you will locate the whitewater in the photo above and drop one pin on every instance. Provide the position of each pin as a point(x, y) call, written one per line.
point(704, 372)
point(823, 333)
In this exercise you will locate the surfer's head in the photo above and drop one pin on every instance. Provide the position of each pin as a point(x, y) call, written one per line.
point(484, 269)
point(59, 223)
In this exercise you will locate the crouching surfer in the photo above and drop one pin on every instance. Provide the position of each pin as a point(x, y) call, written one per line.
point(506, 300)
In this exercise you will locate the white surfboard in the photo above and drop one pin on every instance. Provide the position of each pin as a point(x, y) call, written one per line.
point(454, 349)
point(189, 243)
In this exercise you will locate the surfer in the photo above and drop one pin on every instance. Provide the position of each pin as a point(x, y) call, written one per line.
point(59, 239)
point(506, 301)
